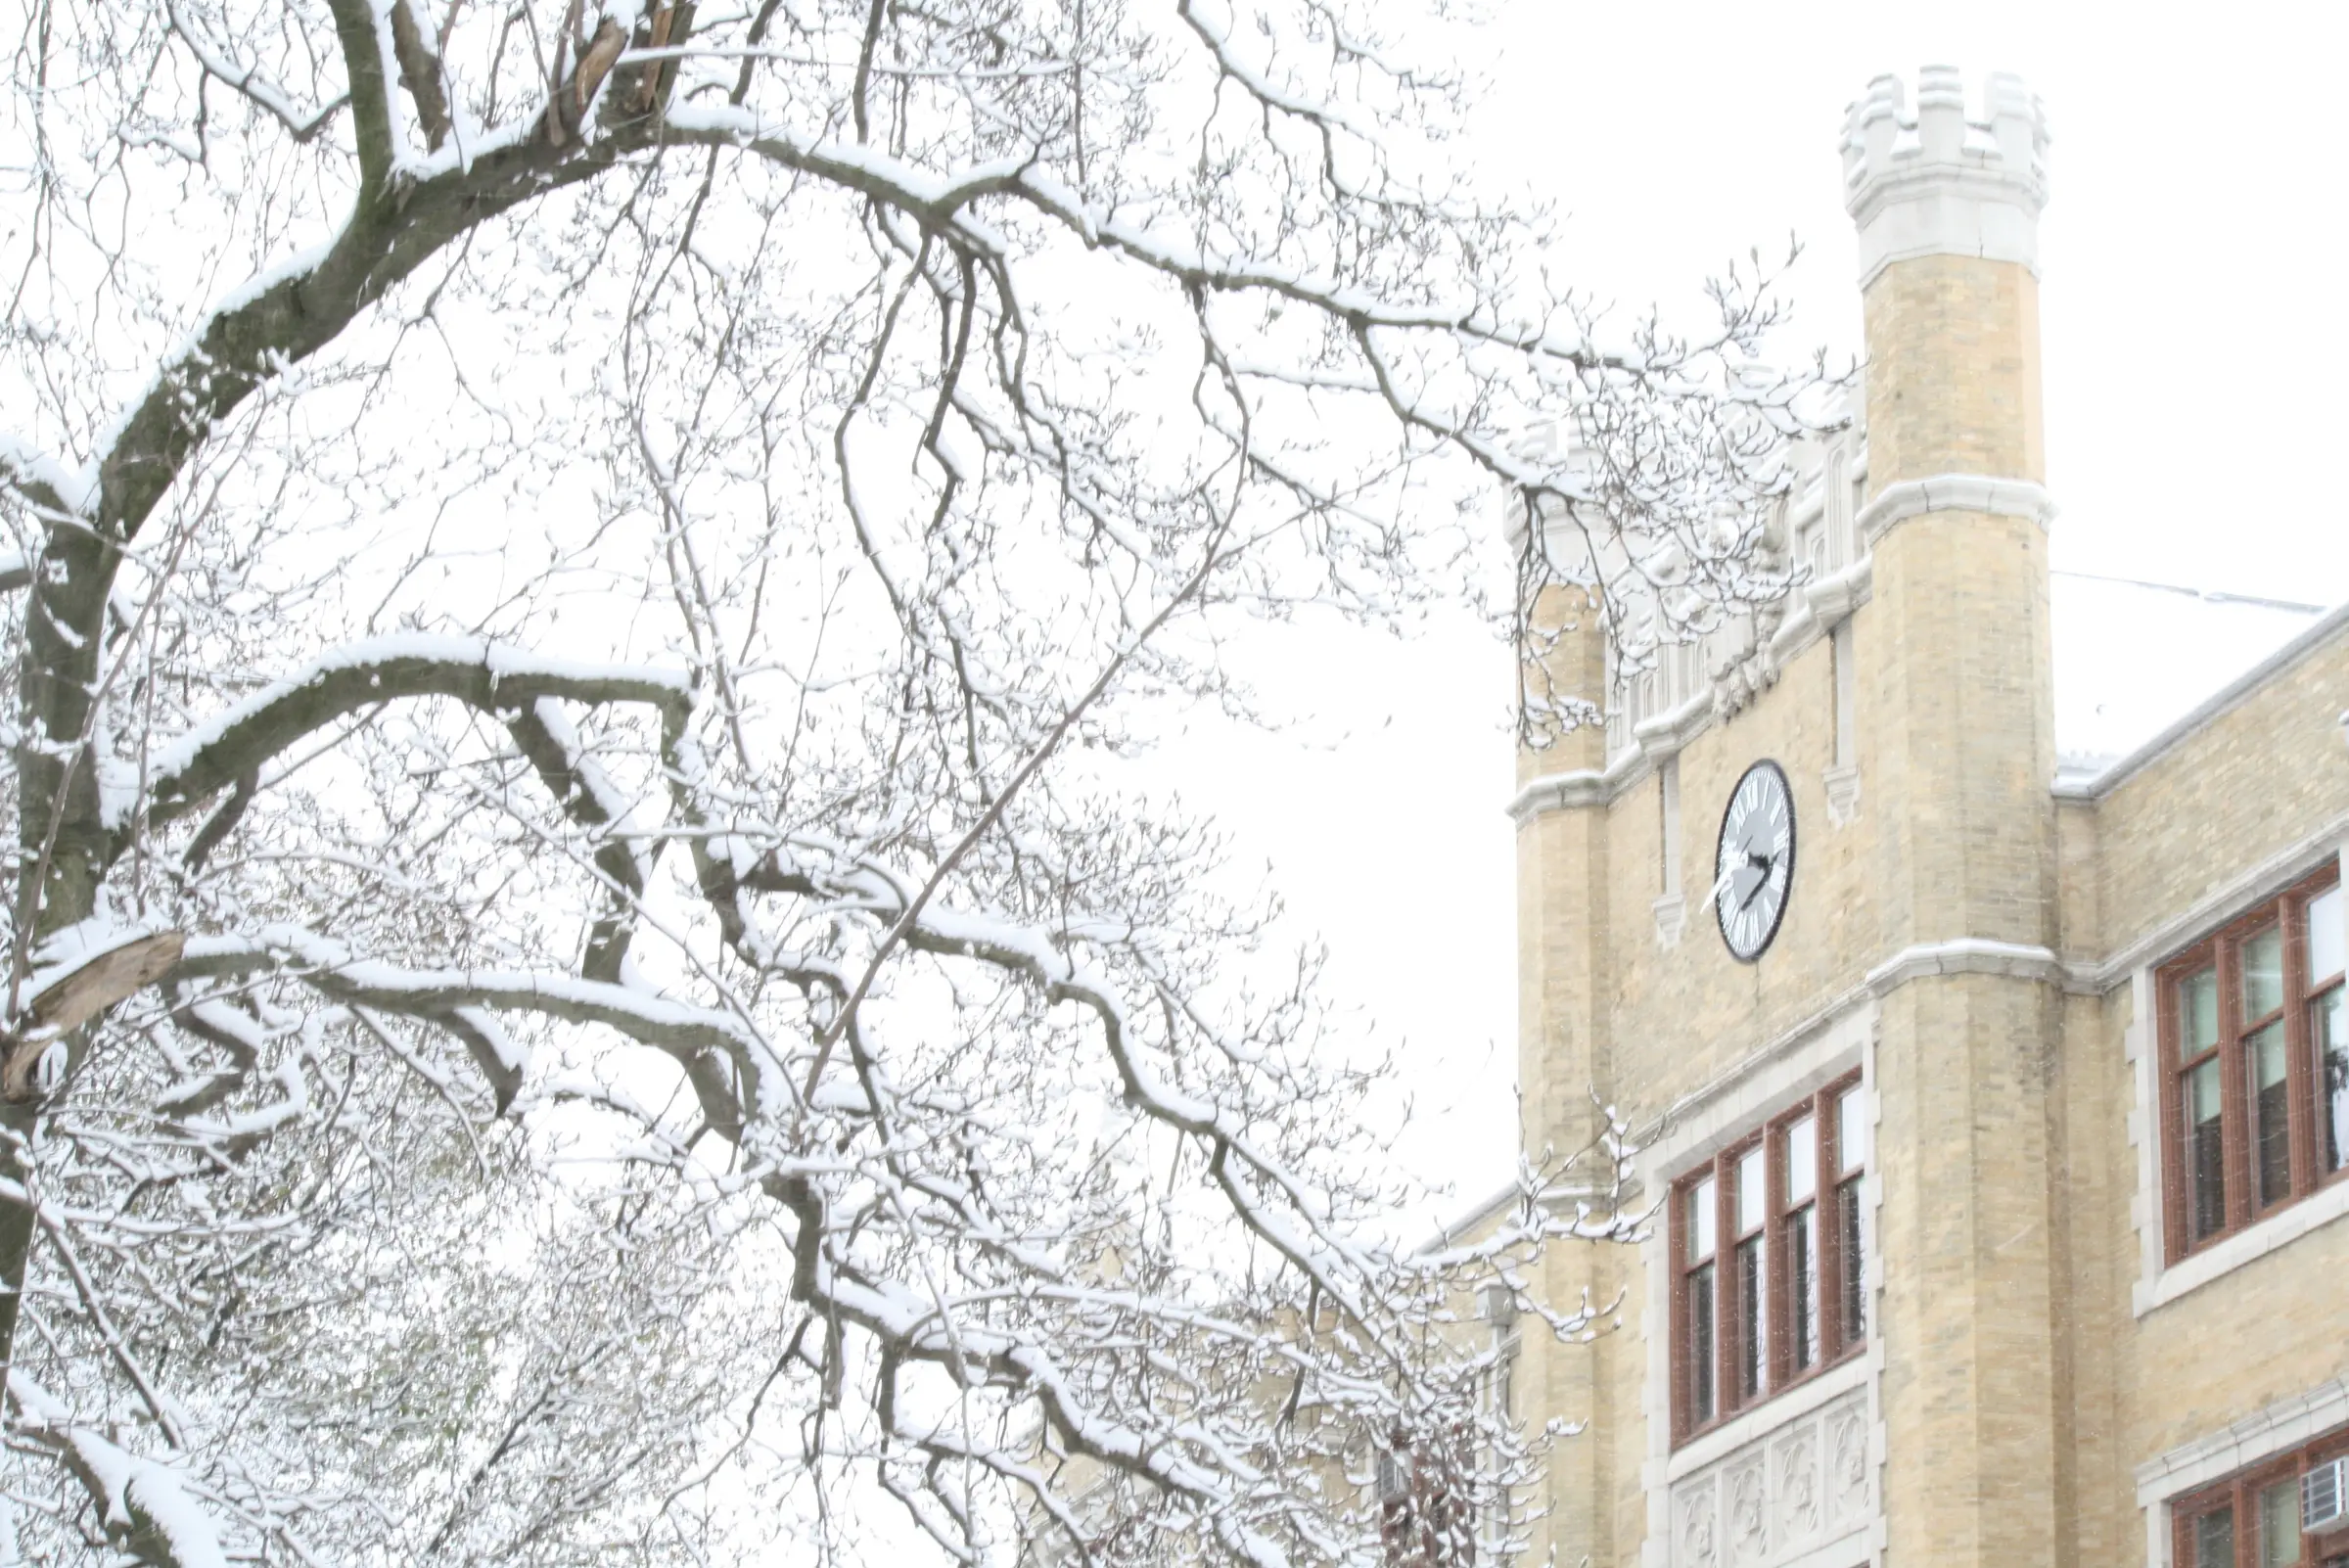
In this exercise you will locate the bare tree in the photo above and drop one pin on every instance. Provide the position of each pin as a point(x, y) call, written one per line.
point(584, 982)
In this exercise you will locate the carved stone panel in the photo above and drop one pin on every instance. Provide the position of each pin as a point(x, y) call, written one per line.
point(1804, 1485)
point(1693, 1538)
point(1848, 1500)
point(1746, 1483)
point(1794, 1486)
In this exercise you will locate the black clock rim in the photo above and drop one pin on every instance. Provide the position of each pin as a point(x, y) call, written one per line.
point(1794, 843)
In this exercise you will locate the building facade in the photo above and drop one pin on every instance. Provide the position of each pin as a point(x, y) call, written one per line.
point(1994, 1106)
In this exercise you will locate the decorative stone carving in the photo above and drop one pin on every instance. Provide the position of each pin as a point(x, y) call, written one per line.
point(1746, 665)
point(1794, 1489)
point(1671, 920)
point(1692, 1531)
point(1749, 1512)
point(1847, 1463)
point(1795, 1484)
point(1843, 793)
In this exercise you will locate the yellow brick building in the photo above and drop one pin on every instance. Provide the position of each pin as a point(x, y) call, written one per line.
point(2000, 1182)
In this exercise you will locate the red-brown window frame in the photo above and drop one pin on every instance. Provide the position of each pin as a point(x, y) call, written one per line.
point(2238, 1491)
point(2223, 950)
point(1836, 1345)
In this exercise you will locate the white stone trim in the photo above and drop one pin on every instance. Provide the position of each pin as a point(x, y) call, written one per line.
point(2190, 1466)
point(1935, 216)
point(1796, 1064)
point(1563, 791)
point(1897, 503)
point(1731, 1435)
point(1934, 184)
point(1842, 785)
point(2225, 700)
point(1817, 609)
point(2212, 910)
point(1966, 955)
point(1671, 920)
point(1825, 604)
point(2279, 1229)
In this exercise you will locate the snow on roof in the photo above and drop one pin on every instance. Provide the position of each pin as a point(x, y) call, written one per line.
point(2133, 657)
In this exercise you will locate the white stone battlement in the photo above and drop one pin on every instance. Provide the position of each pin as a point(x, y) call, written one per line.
point(1938, 183)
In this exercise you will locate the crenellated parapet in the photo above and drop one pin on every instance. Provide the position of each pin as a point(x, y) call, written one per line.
point(1938, 183)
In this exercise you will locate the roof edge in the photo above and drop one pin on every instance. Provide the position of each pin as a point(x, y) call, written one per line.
point(2228, 697)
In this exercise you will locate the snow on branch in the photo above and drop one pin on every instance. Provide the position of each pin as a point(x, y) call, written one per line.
point(492, 676)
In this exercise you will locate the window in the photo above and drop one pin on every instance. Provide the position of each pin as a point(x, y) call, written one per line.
point(2252, 1519)
point(1768, 1239)
point(2255, 1039)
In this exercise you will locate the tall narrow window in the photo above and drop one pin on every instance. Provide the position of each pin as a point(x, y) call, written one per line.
point(2329, 1026)
point(2279, 1524)
point(2267, 1092)
point(1846, 676)
point(2199, 1103)
point(1752, 1285)
point(1801, 1230)
point(1851, 1163)
point(1701, 1352)
point(2256, 1095)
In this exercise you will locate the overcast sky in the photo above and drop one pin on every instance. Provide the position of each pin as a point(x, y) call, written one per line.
point(2194, 340)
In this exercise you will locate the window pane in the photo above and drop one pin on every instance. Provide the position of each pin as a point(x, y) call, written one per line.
point(1849, 1220)
point(2197, 1013)
point(2214, 1540)
point(1701, 1358)
point(1753, 1320)
point(2264, 1060)
point(2325, 938)
point(1851, 1131)
point(1703, 1208)
point(1802, 1160)
point(1752, 1193)
point(2206, 1164)
point(1802, 1276)
point(2279, 1525)
point(2262, 974)
point(2330, 1027)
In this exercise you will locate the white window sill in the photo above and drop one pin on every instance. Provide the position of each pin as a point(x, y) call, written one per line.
point(1767, 1416)
point(2278, 1230)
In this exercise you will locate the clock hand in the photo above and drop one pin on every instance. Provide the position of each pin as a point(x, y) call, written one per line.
point(1753, 862)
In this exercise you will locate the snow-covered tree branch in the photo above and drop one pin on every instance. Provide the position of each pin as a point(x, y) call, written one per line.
point(587, 976)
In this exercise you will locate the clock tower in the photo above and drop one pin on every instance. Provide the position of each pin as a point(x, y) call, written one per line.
point(1851, 1028)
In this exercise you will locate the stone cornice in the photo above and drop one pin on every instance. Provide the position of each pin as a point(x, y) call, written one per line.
point(1665, 734)
point(1560, 791)
point(2273, 1429)
point(1967, 956)
point(2253, 887)
point(1897, 503)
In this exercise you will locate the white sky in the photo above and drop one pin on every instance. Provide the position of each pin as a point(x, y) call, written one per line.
point(2193, 337)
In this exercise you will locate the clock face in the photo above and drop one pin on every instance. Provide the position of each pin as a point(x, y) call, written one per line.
point(1753, 868)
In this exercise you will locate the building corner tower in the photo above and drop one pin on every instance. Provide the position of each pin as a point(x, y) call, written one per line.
point(1957, 703)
